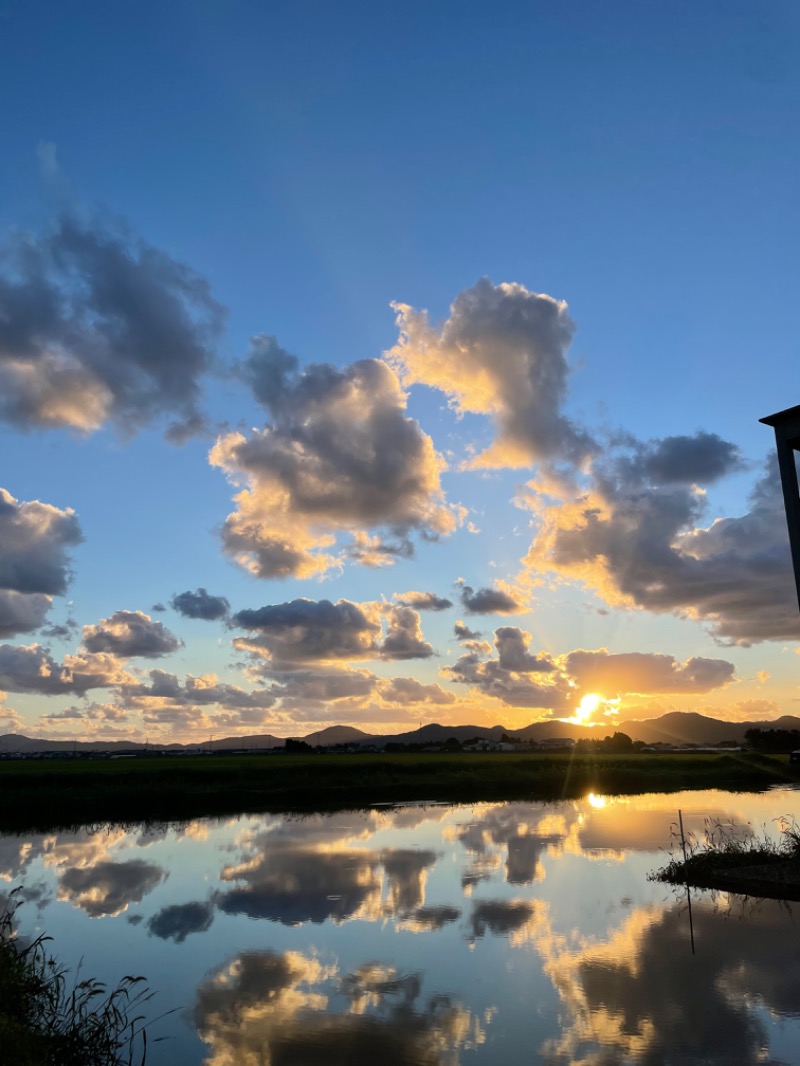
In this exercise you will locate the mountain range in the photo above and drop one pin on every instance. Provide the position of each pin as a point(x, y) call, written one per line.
point(676, 727)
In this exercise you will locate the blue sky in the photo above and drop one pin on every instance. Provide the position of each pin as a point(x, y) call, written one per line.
point(306, 166)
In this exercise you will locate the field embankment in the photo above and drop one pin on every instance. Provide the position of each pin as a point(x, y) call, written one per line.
point(56, 793)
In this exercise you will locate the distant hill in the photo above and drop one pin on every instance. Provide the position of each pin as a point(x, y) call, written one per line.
point(249, 743)
point(676, 727)
point(337, 734)
point(684, 727)
point(554, 730)
point(438, 734)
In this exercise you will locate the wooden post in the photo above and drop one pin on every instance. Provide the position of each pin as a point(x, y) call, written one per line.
point(787, 441)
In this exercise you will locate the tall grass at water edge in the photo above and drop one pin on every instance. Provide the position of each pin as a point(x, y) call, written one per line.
point(50, 1018)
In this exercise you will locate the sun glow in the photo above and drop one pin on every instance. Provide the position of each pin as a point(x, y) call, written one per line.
point(588, 705)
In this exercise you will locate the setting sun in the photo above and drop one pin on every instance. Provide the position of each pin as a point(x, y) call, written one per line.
point(588, 705)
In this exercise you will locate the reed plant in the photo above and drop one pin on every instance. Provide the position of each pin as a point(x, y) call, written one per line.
point(50, 1018)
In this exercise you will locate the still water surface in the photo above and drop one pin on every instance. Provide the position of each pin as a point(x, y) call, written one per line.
point(427, 935)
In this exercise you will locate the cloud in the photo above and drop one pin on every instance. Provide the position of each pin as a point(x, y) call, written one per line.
point(317, 693)
point(177, 921)
point(10, 721)
point(319, 631)
point(404, 638)
point(423, 601)
point(431, 918)
point(700, 1007)
point(31, 668)
point(339, 456)
point(269, 1007)
point(130, 634)
point(407, 690)
point(107, 888)
point(200, 604)
point(512, 648)
point(62, 631)
point(463, 632)
point(497, 600)
point(166, 688)
point(644, 545)
point(524, 832)
point(311, 630)
point(294, 885)
point(645, 672)
point(500, 917)
point(502, 353)
point(35, 539)
point(406, 871)
point(510, 683)
point(99, 327)
point(701, 459)
point(22, 612)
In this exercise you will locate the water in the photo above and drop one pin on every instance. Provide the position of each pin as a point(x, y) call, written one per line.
point(426, 935)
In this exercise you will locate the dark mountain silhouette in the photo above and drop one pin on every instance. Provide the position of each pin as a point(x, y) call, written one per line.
point(676, 727)
point(337, 734)
point(683, 727)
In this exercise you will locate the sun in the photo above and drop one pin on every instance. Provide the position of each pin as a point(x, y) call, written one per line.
point(588, 705)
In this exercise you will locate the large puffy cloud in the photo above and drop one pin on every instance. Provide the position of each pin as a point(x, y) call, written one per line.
point(404, 639)
point(108, 888)
point(699, 1008)
point(31, 668)
point(641, 543)
point(319, 631)
point(512, 650)
point(502, 352)
point(293, 885)
point(130, 634)
point(200, 604)
point(645, 672)
point(35, 539)
point(339, 456)
point(96, 326)
point(311, 630)
point(267, 1007)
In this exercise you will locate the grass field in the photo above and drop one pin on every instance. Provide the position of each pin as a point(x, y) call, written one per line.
point(47, 794)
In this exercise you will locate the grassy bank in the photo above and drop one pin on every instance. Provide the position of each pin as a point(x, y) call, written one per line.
point(48, 1018)
point(58, 793)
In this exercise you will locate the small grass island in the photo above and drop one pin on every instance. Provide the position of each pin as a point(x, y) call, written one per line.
point(758, 867)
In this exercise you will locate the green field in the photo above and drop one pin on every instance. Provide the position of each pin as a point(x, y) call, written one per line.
point(47, 794)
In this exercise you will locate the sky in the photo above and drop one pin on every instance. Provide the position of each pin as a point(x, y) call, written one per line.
point(378, 365)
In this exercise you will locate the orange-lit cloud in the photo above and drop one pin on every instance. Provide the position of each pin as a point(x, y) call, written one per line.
point(339, 455)
point(636, 538)
point(502, 353)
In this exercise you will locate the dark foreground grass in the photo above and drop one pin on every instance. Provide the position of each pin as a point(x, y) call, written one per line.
point(49, 1018)
point(55, 793)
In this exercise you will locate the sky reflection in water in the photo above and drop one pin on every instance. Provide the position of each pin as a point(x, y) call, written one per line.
point(426, 935)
